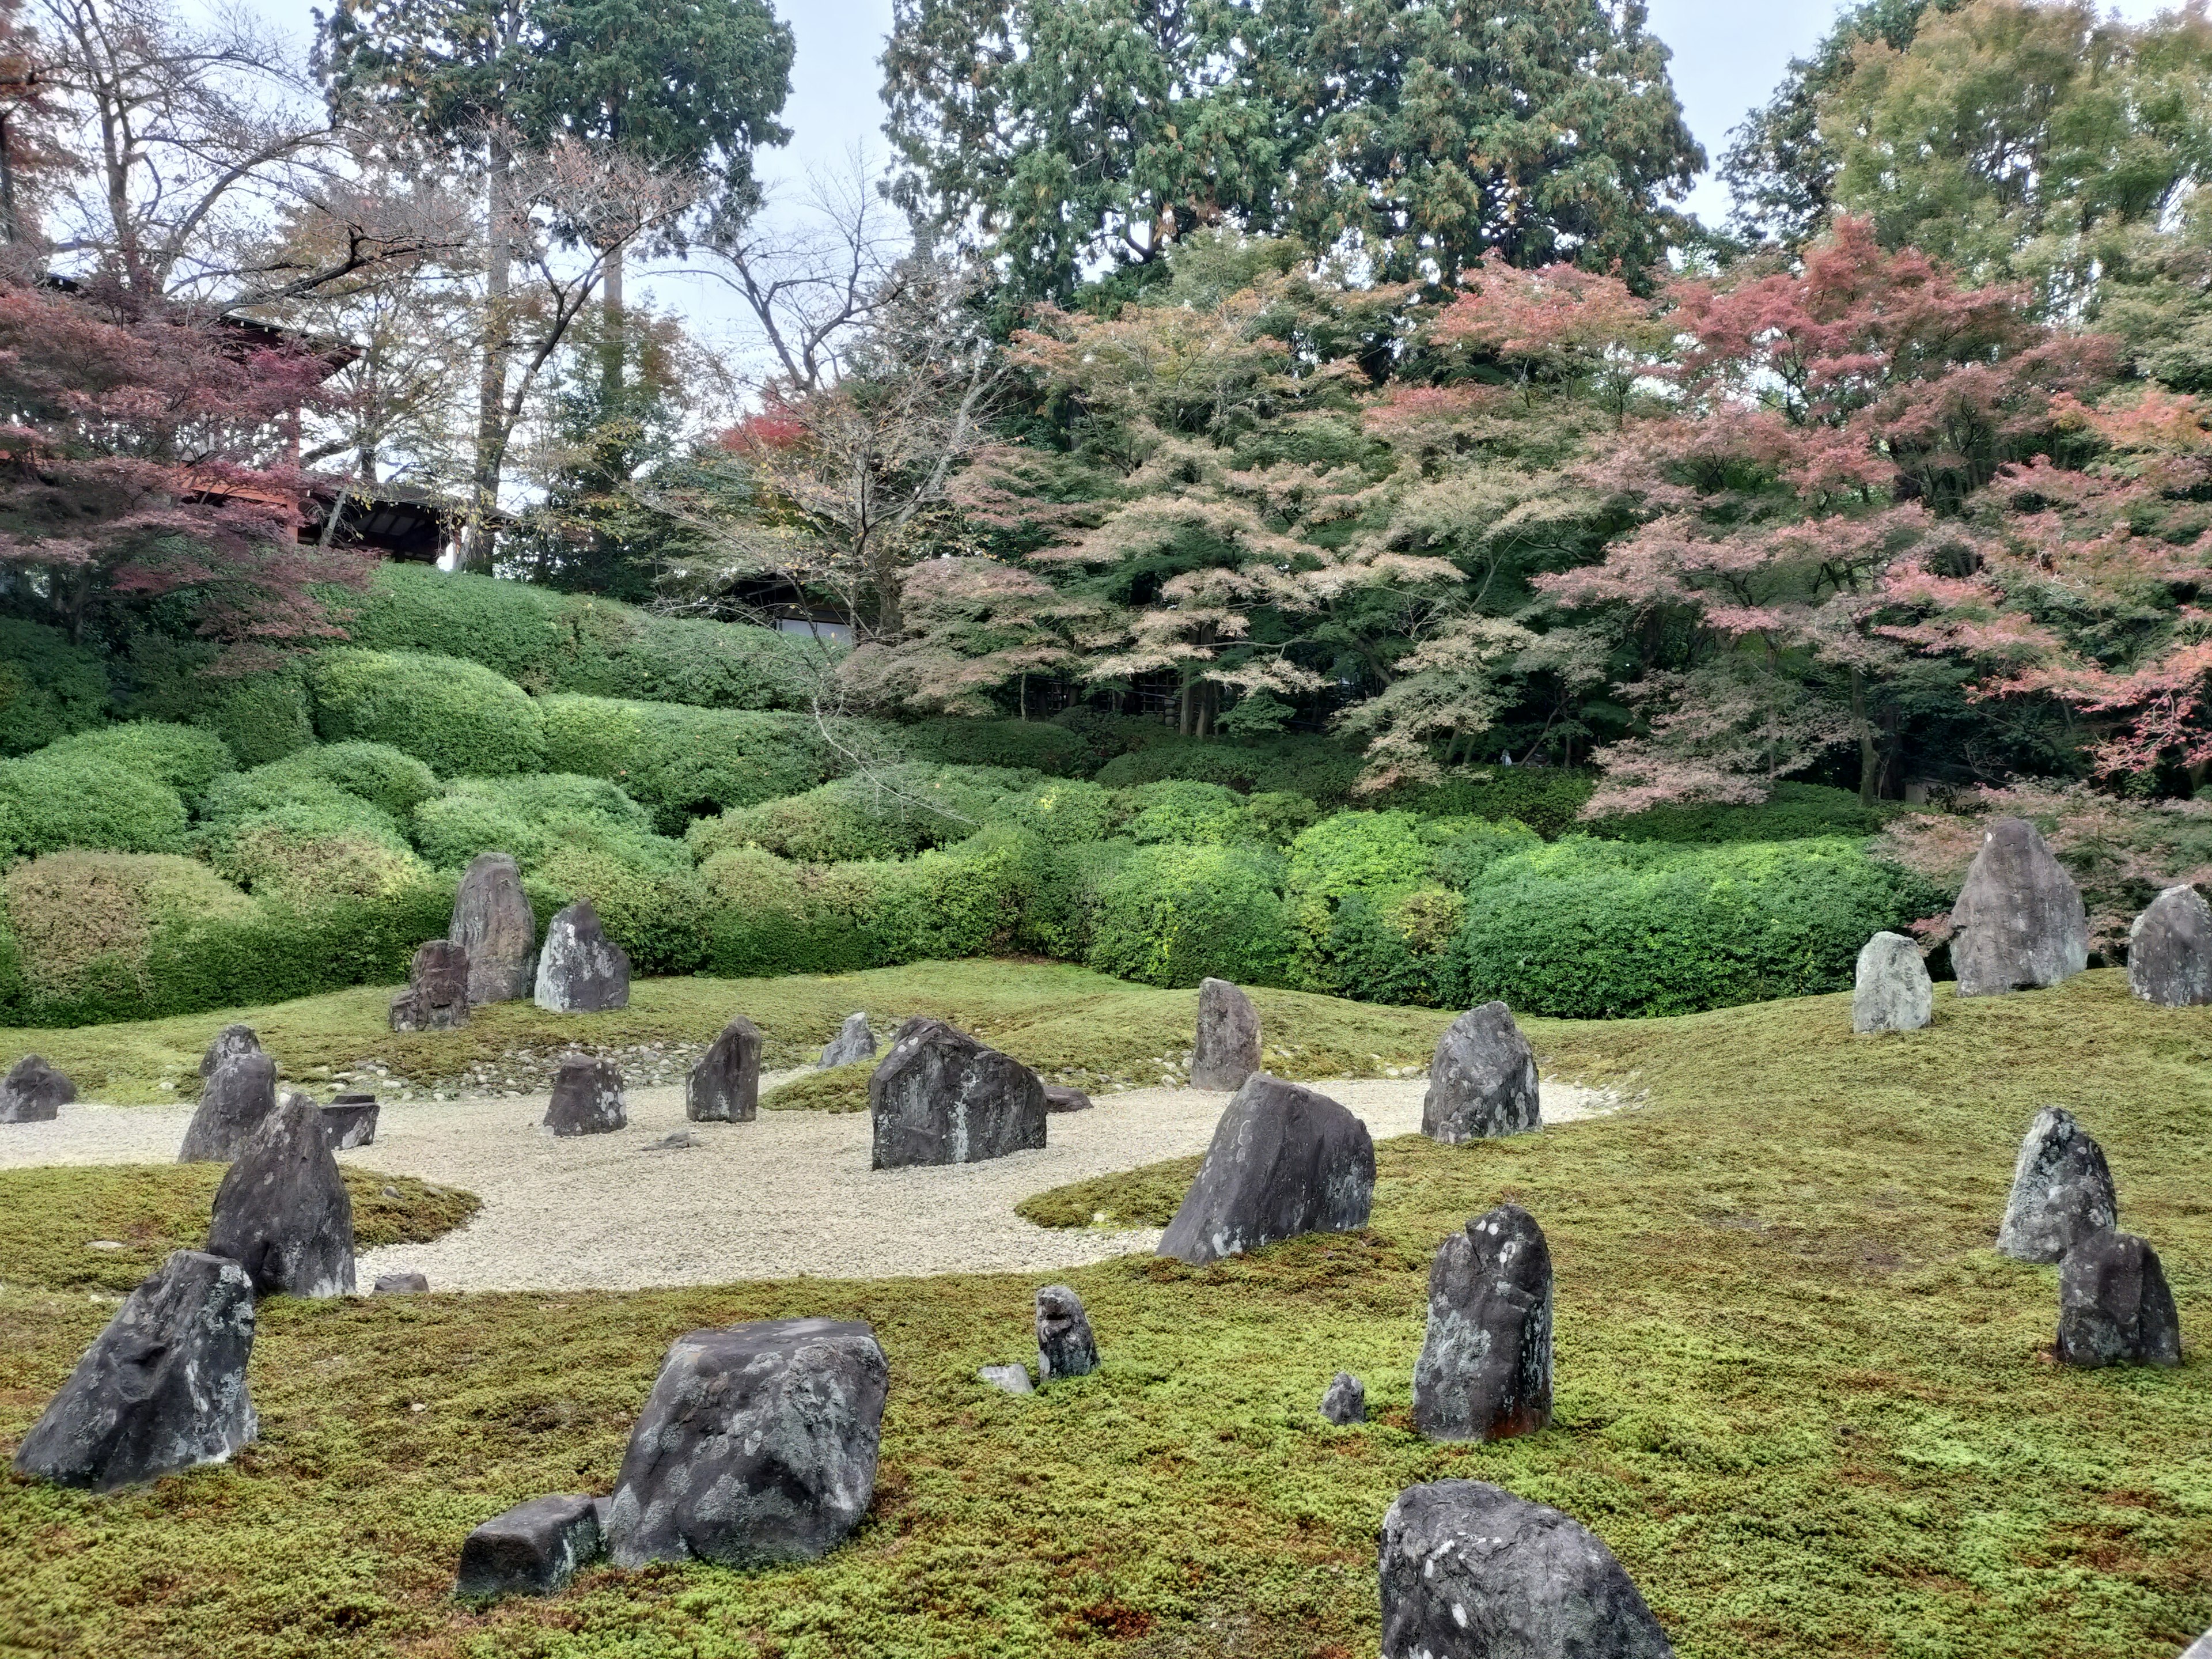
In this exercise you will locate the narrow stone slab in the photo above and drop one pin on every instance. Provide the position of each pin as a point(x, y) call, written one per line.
point(725, 1085)
point(1485, 1371)
point(1065, 1345)
point(349, 1121)
point(587, 1097)
point(1227, 1050)
point(580, 970)
point(1890, 990)
point(533, 1549)
point(239, 1097)
point(2170, 950)
point(493, 922)
point(2019, 922)
point(1283, 1160)
point(1482, 1081)
point(33, 1092)
point(283, 1211)
point(2115, 1307)
point(2062, 1190)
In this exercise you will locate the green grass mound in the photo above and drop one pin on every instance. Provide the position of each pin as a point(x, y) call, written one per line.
point(1128, 1198)
point(840, 1088)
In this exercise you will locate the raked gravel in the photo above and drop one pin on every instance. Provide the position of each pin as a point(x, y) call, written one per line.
point(789, 1195)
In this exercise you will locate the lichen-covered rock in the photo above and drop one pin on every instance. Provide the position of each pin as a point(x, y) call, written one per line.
point(2115, 1307)
point(1890, 990)
point(283, 1211)
point(533, 1549)
point(1059, 1098)
point(1283, 1160)
point(1482, 1081)
point(2170, 950)
point(1485, 1371)
point(493, 922)
point(1007, 1379)
point(940, 1097)
point(1470, 1571)
point(725, 1085)
point(1344, 1402)
point(756, 1445)
point(1065, 1345)
point(161, 1389)
point(238, 1097)
point(228, 1044)
point(33, 1092)
point(2062, 1190)
point(580, 970)
point(1227, 1050)
point(437, 994)
point(587, 1097)
point(854, 1043)
point(2019, 921)
point(349, 1121)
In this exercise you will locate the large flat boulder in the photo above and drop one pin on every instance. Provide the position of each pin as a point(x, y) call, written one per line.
point(2062, 1190)
point(1482, 1081)
point(1471, 1571)
point(587, 1097)
point(239, 1097)
point(1227, 1049)
point(493, 922)
point(1485, 1371)
point(2019, 921)
point(725, 1085)
point(162, 1388)
point(1890, 989)
point(940, 1097)
point(533, 1549)
point(437, 994)
point(2170, 950)
point(2115, 1307)
point(758, 1445)
point(1285, 1160)
point(580, 970)
point(283, 1211)
point(33, 1092)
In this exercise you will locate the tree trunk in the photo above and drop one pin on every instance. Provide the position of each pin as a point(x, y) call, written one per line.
point(491, 387)
point(1869, 759)
point(610, 341)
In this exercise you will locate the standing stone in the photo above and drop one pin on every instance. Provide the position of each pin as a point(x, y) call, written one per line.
point(33, 1092)
point(239, 1097)
point(1890, 991)
point(1485, 1371)
point(283, 1211)
point(2062, 1190)
point(162, 1388)
point(587, 1097)
point(349, 1121)
point(228, 1044)
point(2019, 922)
point(1344, 1402)
point(725, 1086)
point(2170, 950)
point(581, 970)
point(531, 1550)
point(2114, 1305)
point(854, 1043)
point(437, 994)
point(940, 1097)
point(1228, 1048)
point(1065, 1345)
point(1283, 1161)
point(1482, 1081)
point(492, 921)
point(1470, 1571)
point(756, 1445)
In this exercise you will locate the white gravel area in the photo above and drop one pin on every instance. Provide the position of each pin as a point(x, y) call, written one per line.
point(789, 1195)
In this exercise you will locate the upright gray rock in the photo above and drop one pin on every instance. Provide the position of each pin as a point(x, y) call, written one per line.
point(239, 1097)
point(1485, 1371)
point(2201, 1648)
point(1065, 1345)
point(1890, 991)
point(228, 1044)
point(940, 1097)
point(2115, 1307)
point(437, 994)
point(162, 1388)
point(1283, 1161)
point(581, 970)
point(493, 922)
point(1482, 1081)
point(533, 1549)
point(1344, 1402)
point(2170, 950)
point(725, 1085)
point(756, 1445)
point(2019, 922)
point(349, 1121)
point(1470, 1571)
point(33, 1092)
point(854, 1043)
point(283, 1211)
point(1228, 1047)
point(2062, 1190)
point(587, 1097)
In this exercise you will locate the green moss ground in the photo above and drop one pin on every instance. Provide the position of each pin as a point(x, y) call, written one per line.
point(1797, 1394)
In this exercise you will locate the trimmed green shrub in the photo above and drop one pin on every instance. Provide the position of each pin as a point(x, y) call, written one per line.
point(458, 716)
point(1171, 916)
point(891, 814)
point(1188, 814)
point(333, 846)
point(238, 796)
point(1547, 799)
point(48, 687)
point(1062, 919)
point(1020, 745)
point(48, 804)
point(682, 762)
point(1318, 768)
point(519, 815)
point(378, 774)
point(1060, 811)
point(261, 717)
point(1606, 930)
point(185, 758)
point(81, 923)
point(1795, 812)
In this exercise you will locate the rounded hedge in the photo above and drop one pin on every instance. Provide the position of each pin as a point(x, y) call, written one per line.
point(1318, 768)
point(517, 815)
point(387, 778)
point(1547, 799)
point(185, 758)
point(1022, 745)
point(1192, 814)
point(306, 852)
point(1172, 915)
point(682, 762)
point(81, 923)
point(48, 687)
point(457, 716)
point(53, 804)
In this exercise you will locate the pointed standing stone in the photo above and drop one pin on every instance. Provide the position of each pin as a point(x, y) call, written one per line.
point(2019, 922)
point(238, 1098)
point(854, 1043)
point(283, 1211)
point(1485, 1371)
point(1065, 1345)
point(228, 1044)
point(33, 1092)
point(437, 994)
point(2170, 950)
point(493, 922)
point(1890, 990)
point(1482, 1081)
point(1228, 1047)
point(2062, 1190)
point(2115, 1307)
point(581, 970)
point(725, 1085)
point(587, 1097)
point(1283, 1160)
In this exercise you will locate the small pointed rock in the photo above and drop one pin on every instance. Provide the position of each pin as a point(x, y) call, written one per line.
point(283, 1211)
point(33, 1092)
point(2170, 950)
point(1227, 1050)
point(228, 1044)
point(1482, 1081)
point(1485, 1371)
point(854, 1043)
point(587, 1097)
point(1065, 1345)
point(1343, 1401)
point(2115, 1307)
point(2062, 1190)
point(1890, 990)
point(2019, 922)
point(725, 1085)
